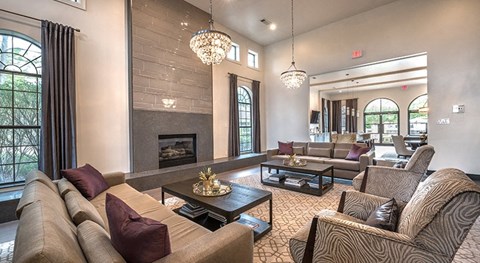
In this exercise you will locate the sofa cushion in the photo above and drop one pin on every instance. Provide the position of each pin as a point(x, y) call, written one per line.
point(80, 209)
point(64, 186)
point(96, 245)
point(285, 148)
point(136, 238)
point(385, 216)
point(40, 177)
point(87, 180)
point(43, 236)
point(344, 164)
point(298, 150)
point(36, 191)
point(183, 231)
point(355, 152)
point(320, 152)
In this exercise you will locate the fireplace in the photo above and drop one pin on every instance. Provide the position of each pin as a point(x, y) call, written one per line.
point(176, 149)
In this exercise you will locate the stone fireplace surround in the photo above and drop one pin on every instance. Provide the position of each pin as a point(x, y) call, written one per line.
point(147, 125)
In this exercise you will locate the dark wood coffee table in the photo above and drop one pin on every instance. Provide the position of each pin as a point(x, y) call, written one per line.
point(232, 205)
point(308, 172)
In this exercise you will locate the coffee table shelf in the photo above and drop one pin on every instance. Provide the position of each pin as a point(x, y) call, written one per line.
point(308, 172)
point(230, 206)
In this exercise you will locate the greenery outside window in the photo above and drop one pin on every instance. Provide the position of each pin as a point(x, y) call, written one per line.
point(245, 120)
point(418, 120)
point(381, 119)
point(20, 107)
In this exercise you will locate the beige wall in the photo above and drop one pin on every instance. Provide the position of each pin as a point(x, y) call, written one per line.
point(221, 94)
point(102, 93)
point(447, 30)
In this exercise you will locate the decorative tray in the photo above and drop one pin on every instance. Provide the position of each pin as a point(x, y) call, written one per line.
point(198, 189)
point(297, 163)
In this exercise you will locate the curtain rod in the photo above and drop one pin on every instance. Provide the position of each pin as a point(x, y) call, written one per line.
point(29, 17)
point(243, 77)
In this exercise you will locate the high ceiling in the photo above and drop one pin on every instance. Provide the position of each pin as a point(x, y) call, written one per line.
point(243, 16)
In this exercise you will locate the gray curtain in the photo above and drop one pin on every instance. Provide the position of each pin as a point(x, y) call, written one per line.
point(337, 116)
point(58, 135)
point(256, 117)
point(233, 133)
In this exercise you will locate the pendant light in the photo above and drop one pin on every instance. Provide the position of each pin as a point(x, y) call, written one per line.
point(210, 45)
point(293, 77)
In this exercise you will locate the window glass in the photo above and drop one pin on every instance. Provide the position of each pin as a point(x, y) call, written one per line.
point(234, 53)
point(20, 96)
point(252, 59)
point(381, 120)
point(418, 116)
point(245, 119)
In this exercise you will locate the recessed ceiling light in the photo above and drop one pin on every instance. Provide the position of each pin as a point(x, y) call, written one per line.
point(272, 26)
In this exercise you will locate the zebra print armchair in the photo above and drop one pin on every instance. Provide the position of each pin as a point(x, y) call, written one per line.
point(431, 226)
point(399, 183)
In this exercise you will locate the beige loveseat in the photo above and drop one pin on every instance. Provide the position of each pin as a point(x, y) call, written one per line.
point(329, 153)
point(57, 224)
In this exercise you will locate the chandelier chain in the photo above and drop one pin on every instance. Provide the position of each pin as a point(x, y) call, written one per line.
point(211, 10)
point(293, 37)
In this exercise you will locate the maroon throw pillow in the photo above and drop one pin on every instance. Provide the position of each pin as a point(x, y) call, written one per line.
point(285, 148)
point(138, 239)
point(355, 152)
point(88, 180)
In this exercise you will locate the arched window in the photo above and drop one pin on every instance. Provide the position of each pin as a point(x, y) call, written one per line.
point(418, 115)
point(20, 102)
point(381, 120)
point(245, 119)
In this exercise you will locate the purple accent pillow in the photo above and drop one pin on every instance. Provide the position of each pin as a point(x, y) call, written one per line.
point(285, 148)
point(355, 152)
point(87, 180)
point(138, 239)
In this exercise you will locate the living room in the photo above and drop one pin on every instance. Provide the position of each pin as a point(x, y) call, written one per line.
point(108, 85)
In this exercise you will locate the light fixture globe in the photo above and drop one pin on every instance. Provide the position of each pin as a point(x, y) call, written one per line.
point(211, 46)
point(293, 77)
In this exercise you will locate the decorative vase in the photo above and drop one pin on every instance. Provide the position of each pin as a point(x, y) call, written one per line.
point(207, 184)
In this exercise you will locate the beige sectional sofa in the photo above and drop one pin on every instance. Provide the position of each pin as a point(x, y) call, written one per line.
point(329, 153)
point(57, 224)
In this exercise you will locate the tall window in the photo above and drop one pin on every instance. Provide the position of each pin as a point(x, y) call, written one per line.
point(245, 119)
point(20, 99)
point(234, 53)
point(252, 59)
point(381, 120)
point(418, 115)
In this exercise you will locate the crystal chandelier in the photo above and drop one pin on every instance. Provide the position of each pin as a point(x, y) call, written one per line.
point(293, 77)
point(210, 45)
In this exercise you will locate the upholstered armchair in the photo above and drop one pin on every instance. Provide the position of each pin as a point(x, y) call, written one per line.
point(431, 226)
point(399, 183)
point(400, 148)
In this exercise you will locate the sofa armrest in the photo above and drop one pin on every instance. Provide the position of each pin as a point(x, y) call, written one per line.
point(366, 159)
point(232, 243)
point(391, 182)
point(359, 205)
point(271, 153)
point(114, 178)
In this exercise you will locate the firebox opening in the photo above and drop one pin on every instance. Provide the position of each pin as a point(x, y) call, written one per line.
point(177, 149)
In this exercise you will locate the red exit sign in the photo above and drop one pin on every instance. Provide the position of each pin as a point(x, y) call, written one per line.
point(357, 54)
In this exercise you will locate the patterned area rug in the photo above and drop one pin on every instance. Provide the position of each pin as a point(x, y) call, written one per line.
point(292, 210)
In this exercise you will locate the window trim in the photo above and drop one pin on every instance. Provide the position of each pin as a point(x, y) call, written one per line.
point(255, 54)
point(80, 4)
point(237, 53)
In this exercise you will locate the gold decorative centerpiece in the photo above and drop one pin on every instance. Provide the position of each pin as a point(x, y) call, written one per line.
point(294, 161)
point(209, 185)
